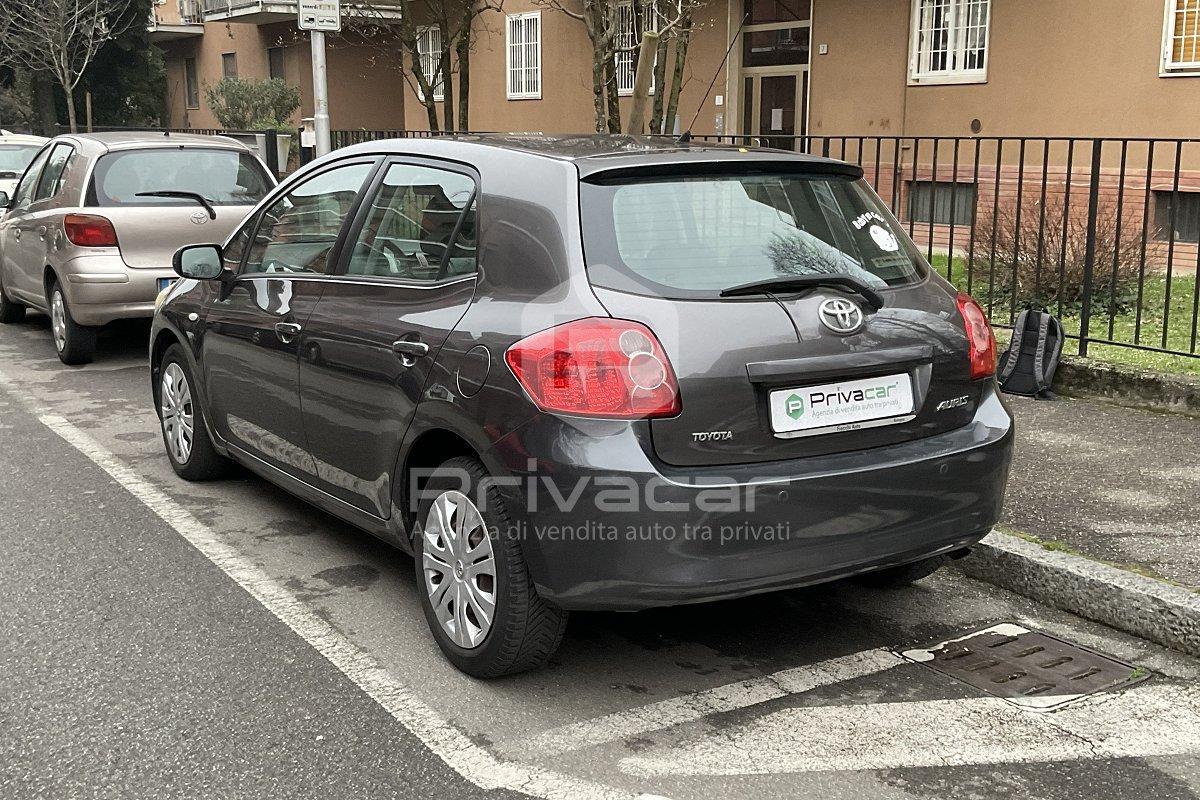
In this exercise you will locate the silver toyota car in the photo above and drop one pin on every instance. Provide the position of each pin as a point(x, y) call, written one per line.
point(88, 234)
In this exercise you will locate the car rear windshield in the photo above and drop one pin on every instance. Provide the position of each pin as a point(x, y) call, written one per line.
point(692, 236)
point(14, 158)
point(223, 177)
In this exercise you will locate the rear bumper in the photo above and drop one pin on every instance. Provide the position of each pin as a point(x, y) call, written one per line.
point(101, 289)
point(604, 526)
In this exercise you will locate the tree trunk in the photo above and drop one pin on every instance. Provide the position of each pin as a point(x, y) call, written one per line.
point(71, 119)
point(660, 85)
point(643, 75)
point(447, 88)
point(45, 116)
point(611, 91)
point(598, 73)
point(463, 49)
point(681, 50)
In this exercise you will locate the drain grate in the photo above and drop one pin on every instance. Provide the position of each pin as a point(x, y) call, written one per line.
point(1028, 668)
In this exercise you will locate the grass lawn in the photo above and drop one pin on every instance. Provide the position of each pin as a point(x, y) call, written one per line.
point(1124, 324)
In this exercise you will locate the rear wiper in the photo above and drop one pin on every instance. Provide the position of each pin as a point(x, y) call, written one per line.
point(793, 283)
point(199, 198)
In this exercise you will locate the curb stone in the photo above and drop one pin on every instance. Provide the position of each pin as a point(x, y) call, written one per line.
point(1154, 610)
point(1128, 385)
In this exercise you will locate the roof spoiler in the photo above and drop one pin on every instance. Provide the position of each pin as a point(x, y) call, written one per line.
point(721, 167)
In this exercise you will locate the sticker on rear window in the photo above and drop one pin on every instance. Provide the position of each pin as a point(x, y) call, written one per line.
point(884, 239)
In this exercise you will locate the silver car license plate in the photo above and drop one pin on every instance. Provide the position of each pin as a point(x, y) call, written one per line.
point(842, 406)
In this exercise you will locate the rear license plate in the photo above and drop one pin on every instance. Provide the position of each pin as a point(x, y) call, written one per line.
point(843, 406)
point(165, 283)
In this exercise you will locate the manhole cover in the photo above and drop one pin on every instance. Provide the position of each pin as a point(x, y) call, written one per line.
point(1028, 668)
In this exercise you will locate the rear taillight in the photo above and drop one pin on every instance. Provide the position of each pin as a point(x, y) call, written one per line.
point(88, 230)
point(597, 367)
point(980, 339)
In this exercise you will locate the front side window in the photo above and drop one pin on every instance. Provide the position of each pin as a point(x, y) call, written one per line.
point(949, 41)
point(691, 237)
point(429, 46)
point(297, 231)
point(223, 177)
point(24, 193)
point(52, 176)
point(421, 226)
point(523, 55)
point(1181, 40)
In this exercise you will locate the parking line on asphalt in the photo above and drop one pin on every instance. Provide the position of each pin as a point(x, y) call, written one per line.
point(1150, 720)
point(730, 697)
point(440, 736)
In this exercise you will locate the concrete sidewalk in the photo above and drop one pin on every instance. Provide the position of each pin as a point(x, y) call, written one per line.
point(1117, 484)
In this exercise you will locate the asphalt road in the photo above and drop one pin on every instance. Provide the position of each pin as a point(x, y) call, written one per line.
point(161, 639)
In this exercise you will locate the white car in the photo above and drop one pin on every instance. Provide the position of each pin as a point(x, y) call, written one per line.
point(16, 151)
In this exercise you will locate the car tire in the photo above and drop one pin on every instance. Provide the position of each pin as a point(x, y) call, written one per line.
point(75, 343)
point(10, 312)
point(183, 422)
point(903, 575)
point(524, 630)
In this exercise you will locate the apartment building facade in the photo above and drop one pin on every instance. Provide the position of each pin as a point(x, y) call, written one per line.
point(892, 71)
point(820, 67)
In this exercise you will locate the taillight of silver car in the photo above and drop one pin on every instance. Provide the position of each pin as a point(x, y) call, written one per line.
point(89, 230)
point(981, 342)
point(597, 367)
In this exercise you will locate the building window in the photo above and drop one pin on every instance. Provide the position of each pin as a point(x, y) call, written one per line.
point(191, 83)
point(628, 42)
point(275, 63)
point(942, 202)
point(523, 56)
point(768, 11)
point(429, 46)
point(1187, 216)
point(229, 65)
point(949, 41)
point(1181, 38)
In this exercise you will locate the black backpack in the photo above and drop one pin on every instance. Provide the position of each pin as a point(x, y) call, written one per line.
point(1027, 367)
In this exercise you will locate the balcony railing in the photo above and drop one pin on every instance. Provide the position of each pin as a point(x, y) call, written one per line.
point(360, 8)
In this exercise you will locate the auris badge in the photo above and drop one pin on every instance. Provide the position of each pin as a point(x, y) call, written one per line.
point(841, 316)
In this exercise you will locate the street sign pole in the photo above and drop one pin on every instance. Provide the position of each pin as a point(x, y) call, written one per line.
point(319, 17)
point(320, 94)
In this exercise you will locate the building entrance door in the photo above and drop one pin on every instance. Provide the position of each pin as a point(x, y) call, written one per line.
point(774, 106)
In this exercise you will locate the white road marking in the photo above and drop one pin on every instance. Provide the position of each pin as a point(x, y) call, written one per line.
point(1151, 720)
point(692, 707)
point(472, 762)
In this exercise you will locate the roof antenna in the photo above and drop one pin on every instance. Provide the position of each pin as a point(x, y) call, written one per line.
point(686, 136)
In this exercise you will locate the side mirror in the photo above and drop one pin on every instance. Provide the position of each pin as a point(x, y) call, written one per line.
point(5, 200)
point(200, 262)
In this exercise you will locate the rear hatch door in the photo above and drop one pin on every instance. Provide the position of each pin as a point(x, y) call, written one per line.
point(149, 229)
point(762, 377)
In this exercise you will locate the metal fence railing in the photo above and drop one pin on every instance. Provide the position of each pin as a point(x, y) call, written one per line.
point(1104, 232)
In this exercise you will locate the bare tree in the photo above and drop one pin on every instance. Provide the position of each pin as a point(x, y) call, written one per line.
point(401, 36)
point(656, 24)
point(61, 37)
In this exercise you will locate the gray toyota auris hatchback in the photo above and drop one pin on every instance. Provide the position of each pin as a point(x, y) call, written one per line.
point(590, 373)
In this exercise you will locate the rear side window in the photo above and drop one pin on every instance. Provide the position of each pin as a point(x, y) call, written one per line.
point(693, 236)
point(420, 226)
point(223, 177)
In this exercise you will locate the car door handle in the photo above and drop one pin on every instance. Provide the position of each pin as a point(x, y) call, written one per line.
point(17, 234)
point(410, 350)
point(287, 331)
